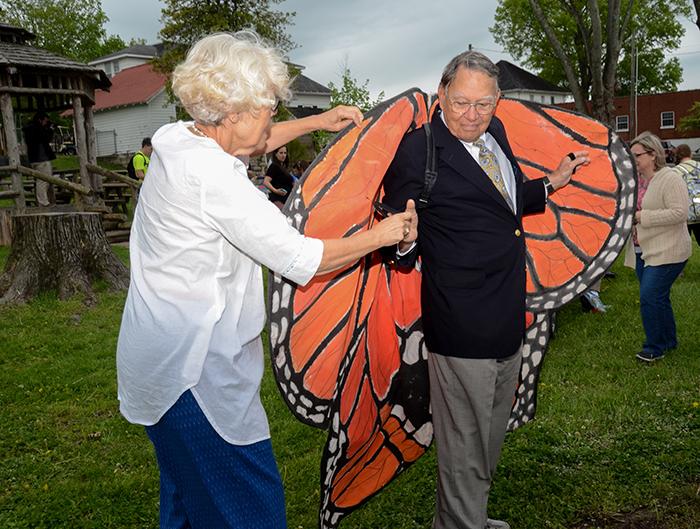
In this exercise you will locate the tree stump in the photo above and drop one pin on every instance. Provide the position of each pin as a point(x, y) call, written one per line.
point(61, 251)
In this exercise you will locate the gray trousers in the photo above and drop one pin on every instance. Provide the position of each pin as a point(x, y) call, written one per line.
point(42, 188)
point(471, 401)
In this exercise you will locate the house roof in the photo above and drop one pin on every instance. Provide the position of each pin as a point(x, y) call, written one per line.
point(303, 85)
point(131, 86)
point(137, 50)
point(10, 33)
point(512, 77)
point(303, 112)
point(23, 55)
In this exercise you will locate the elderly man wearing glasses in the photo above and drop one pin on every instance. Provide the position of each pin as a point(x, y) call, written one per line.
point(470, 239)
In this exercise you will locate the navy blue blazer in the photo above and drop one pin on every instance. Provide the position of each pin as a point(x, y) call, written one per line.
point(471, 244)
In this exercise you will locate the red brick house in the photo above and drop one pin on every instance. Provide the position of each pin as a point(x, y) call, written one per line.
point(658, 113)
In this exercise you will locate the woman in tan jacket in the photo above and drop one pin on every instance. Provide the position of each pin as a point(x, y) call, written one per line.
point(660, 242)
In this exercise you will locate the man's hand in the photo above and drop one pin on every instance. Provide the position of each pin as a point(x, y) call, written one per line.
point(339, 117)
point(562, 174)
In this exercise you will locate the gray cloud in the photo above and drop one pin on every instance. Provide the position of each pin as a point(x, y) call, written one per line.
point(396, 44)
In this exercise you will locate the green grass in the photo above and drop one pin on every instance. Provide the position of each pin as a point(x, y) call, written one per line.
point(612, 437)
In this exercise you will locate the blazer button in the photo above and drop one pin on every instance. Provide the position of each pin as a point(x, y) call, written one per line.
point(518, 233)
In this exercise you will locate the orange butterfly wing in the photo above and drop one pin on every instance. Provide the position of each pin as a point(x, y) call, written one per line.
point(347, 349)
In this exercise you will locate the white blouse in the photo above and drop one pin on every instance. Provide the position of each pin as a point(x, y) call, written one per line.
point(195, 308)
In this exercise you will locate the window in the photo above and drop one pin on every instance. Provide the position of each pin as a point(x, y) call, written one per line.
point(622, 123)
point(551, 99)
point(668, 120)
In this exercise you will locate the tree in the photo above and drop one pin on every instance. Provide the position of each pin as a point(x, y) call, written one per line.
point(697, 13)
point(692, 120)
point(65, 27)
point(585, 45)
point(349, 92)
point(186, 21)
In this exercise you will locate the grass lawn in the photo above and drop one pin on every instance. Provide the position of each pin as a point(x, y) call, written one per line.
point(615, 444)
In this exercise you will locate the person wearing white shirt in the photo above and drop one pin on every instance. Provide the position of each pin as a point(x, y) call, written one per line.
point(189, 354)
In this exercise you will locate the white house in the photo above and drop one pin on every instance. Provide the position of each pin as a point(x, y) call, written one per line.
point(134, 108)
point(520, 84)
point(137, 103)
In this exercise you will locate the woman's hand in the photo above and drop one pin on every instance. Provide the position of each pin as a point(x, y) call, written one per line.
point(399, 228)
point(339, 117)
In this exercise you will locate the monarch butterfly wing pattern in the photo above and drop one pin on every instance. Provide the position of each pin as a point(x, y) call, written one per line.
point(380, 422)
point(583, 228)
point(537, 333)
point(315, 330)
point(586, 223)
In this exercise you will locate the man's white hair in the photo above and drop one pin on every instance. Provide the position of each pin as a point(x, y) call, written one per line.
point(230, 72)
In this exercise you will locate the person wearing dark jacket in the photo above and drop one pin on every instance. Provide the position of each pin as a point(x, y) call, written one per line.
point(471, 242)
point(38, 135)
point(277, 178)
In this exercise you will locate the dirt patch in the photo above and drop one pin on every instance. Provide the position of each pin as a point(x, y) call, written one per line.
point(641, 519)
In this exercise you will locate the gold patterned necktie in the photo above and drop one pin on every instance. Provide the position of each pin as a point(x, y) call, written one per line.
point(488, 162)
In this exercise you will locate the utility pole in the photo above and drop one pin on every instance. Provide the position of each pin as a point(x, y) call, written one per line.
point(633, 86)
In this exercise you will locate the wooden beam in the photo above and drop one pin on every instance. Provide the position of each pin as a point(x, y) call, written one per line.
point(63, 91)
point(59, 182)
point(80, 140)
point(8, 194)
point(114, 176)
point(8, 121)
point(95, 178)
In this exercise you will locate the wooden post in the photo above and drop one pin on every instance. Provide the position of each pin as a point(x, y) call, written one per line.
point(8, 122)
point(95, 178)
point(80, 142)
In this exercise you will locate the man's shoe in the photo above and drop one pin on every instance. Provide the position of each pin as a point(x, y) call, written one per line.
point(593, 301)
point(649, 357)
point(496, 524)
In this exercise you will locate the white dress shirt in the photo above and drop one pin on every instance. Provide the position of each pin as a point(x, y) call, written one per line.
point(503, 161)
point(195, 307)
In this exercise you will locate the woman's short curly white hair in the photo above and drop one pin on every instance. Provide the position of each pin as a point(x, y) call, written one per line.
point(230, 72)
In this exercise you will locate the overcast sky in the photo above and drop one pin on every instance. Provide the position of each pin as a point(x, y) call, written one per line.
point(396, 44)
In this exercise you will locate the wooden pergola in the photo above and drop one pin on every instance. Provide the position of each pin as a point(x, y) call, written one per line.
point(33, 79)
point(54, 248)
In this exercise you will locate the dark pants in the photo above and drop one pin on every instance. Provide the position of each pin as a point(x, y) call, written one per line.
point(655, 305)
point(207, 483)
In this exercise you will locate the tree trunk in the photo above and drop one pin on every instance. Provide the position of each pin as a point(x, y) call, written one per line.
point(61, 251)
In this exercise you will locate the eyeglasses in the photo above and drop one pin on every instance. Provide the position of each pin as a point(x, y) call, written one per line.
point(638, 154)
point(461, 106)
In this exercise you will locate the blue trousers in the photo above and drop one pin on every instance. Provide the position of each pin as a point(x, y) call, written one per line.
point(655, 305)
point(207, 483)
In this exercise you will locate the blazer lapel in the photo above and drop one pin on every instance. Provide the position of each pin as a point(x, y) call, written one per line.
point(453, 153)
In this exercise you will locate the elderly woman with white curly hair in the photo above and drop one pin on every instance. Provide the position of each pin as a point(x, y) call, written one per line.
point(189, 356)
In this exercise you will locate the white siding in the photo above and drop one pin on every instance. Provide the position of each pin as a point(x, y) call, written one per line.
point(538, 95)
point(310, 100)
point(132, 124)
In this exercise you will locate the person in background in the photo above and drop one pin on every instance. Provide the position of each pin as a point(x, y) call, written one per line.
point(690, 169)
point(299, 167)
point(660, 244)
point(190, 355)
point(138, 165)
point(277, 178)
point(38, 135)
